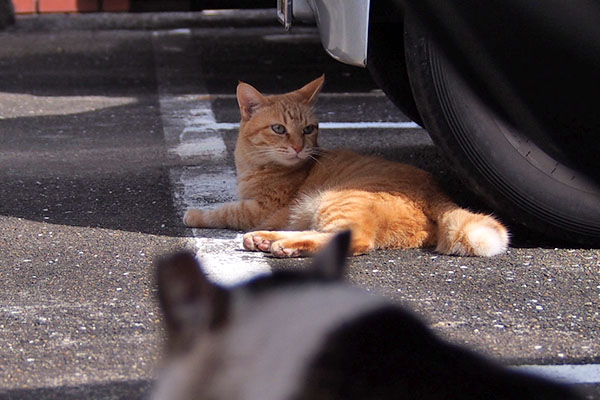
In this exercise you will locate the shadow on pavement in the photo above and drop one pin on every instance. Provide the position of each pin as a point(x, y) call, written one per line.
point(130, 390)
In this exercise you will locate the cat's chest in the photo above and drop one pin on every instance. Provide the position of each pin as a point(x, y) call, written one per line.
point(271, 189)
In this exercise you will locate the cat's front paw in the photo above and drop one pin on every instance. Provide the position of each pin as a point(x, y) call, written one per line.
point(281, 249)
point(255, 241)
point(193, 218)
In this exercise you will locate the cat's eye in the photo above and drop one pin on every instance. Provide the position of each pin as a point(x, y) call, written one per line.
point(278, 129)
point(309, 129)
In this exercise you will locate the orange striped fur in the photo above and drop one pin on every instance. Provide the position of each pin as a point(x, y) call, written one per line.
point(295, 195)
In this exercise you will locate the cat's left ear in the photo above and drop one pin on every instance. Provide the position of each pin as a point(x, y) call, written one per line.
point(191, 304)
point(310, 91)
point(330, 262)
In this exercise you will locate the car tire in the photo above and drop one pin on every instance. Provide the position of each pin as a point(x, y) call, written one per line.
point(387, 67)
point(499, 163)
point(7, 13)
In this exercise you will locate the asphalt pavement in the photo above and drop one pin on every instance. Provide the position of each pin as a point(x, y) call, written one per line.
point(95, 173)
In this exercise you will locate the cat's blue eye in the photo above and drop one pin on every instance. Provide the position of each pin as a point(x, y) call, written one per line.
point(309, 129)
point(278, 129)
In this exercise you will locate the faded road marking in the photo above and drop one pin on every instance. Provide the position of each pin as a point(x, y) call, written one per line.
point(193, 134)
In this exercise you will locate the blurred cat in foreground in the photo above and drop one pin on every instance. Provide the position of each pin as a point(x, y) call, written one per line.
point(306, 335)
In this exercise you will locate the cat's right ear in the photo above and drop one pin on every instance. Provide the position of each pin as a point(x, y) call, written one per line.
point(311, 90)
point(191, 304)
point(249, 100)
point(330, 262)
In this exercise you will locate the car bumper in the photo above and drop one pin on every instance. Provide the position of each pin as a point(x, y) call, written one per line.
point(343, 25)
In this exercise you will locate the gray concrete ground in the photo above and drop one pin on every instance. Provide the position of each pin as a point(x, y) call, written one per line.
point(86, 203)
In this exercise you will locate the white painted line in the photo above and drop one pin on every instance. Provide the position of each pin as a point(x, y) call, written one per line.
point(200, 187)
point(368, 125)
point(211, 126)
point(568, 373)
point(180, 31)
point(192, 133)
point(372, 93)
point(215, 126)
point(227, 265)
point(210, 147)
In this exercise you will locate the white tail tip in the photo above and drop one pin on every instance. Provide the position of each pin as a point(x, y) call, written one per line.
point(486, 241)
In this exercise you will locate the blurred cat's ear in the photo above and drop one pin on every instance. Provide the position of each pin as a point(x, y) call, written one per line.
point(310, 91)
point(189, 301)
point(330, 262)
point(249, 100)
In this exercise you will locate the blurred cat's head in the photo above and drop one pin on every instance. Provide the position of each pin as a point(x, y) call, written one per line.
point(308, 336)
point(253, 340)
point(280, 129)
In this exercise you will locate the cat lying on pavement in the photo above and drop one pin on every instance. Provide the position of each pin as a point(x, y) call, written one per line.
point(294, 335)
point(294, 195)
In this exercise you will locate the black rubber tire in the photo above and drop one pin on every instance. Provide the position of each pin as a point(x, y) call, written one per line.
point(7, 13)
point(498, 163)
point(387, 66)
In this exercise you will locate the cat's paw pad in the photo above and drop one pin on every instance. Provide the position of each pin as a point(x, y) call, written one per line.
point(248, 242)
point(253, 241)
point(278, 249)
point(193, 218)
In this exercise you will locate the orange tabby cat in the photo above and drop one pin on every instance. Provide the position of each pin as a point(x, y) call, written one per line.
point(294, 196)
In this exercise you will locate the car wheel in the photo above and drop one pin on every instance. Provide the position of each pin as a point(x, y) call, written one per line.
point(387, 67)
point(499, 163)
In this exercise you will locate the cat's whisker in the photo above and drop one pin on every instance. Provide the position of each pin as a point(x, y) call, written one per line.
point(319, 150)
point(320, 153)
point(260, 153)
point(314, 158)
point(325, 156)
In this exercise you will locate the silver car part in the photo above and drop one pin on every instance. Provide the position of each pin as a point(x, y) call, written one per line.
point(302, 11)
point(343, 25)
point(284, 13)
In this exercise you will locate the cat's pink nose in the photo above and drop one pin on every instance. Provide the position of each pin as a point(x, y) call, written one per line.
point(297, 148)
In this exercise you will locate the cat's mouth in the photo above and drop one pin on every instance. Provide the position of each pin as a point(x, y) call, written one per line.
point(293, 159)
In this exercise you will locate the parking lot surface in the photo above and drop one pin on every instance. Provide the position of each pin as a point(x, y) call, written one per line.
point(111, 126)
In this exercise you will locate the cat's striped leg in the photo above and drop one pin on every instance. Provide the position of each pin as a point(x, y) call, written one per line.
point(243, 215)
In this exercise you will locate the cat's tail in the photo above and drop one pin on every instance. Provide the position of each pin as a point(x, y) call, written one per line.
point(465, 233)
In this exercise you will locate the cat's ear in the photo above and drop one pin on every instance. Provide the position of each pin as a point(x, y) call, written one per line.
point(249, 100)
point(330, 262)
point(190, 303)
point(310, 91)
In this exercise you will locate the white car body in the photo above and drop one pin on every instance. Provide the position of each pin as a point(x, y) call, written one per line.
point(343, 25)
